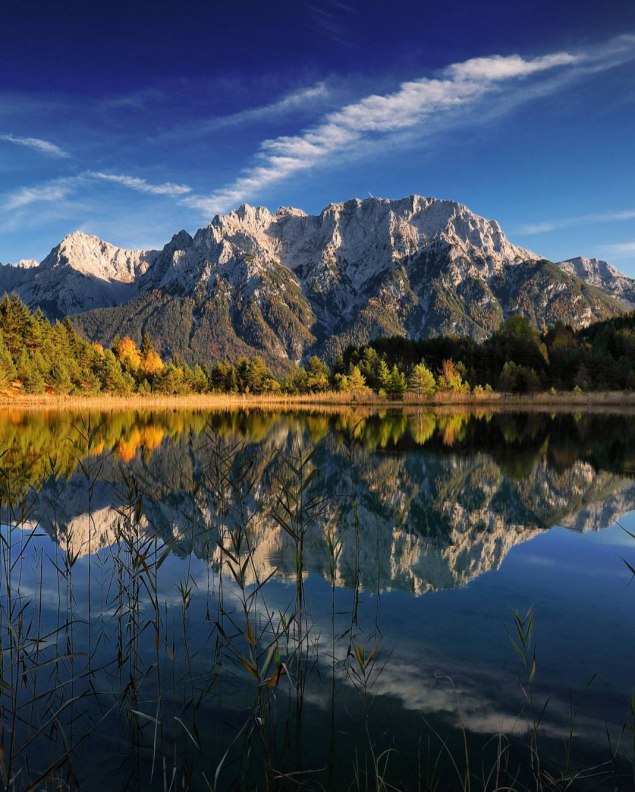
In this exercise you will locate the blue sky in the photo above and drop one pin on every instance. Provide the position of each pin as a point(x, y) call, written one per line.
point(133, 120)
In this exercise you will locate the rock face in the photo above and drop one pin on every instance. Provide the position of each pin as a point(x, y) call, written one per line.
point(604, 276)
point(287, 284)
point(81, 273)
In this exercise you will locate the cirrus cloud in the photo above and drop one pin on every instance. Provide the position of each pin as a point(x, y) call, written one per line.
point(416, 107)
point(140, 185)
point(37, 144)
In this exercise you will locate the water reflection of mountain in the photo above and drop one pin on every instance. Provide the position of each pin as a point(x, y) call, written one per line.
point(415, 502)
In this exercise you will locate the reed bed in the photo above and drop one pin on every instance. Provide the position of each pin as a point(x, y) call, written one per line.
point(615, 400)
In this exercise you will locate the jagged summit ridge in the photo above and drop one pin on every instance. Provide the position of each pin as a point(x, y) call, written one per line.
point(286, 284)
point(81, 273)
point(602, 275)
point(365, 229)
point(90, 255)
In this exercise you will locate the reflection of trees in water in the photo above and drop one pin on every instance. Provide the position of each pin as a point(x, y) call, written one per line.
point(36, 445)
point(440, 498)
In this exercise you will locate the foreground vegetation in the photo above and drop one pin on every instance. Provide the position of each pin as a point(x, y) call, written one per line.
point(38, 357)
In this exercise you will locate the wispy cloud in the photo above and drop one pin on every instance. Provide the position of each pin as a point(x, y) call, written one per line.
point(43, 146)
point(329, 17)
point(416, 107)
point(569, 222)
point(141, 185)
point(621, 247)
point(54, 190)
point(60, 189)
point(290, 103)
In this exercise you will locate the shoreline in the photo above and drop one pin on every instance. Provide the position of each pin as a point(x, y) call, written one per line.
point(609, 400)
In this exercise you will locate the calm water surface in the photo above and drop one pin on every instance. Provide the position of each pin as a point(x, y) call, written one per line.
point(316, 601)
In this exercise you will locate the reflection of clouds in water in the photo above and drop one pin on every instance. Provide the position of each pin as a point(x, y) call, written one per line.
point(540, 561)
point(422, 689)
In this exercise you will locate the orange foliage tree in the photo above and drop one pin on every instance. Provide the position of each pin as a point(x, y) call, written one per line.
point(128, 353)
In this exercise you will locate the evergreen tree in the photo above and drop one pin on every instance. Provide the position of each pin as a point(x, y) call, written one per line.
point(582, 379)
point(111, 376)
point(518, 379)
point(396, 384)
point(383, 376)
point(258, 376)
point(146, 345)
point(7, 367)
point(30, 373)
point(220, 375)
point(422, 381)
point(198, 380)
point(60, 378)
point(296, 381)
point(170, 380)
point(356, 382)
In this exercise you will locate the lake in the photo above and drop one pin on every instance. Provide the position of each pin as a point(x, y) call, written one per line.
point(316, 600)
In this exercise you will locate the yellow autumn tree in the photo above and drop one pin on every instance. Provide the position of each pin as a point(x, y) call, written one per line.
point(128, 353)
point(151, 363)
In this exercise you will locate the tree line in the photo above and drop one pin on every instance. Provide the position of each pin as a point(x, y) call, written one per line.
point(516, 358)
point(37, 356)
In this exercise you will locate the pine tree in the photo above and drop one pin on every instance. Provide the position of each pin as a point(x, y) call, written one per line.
point(60, 378)
point(383, 375)
point(111, 375)
point(422, 381)
point(198, 380)
point(356, 382)
point(7, 368)
point(396, 384)
point(258, 375)
point(146, 345)
point(30, 373)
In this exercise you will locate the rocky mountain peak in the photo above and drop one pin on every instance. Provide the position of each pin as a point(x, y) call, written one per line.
point(181, 239)
point(89, 255)
point(599, 273)
point(590, 268)
point(290, 211)
point(253, 218)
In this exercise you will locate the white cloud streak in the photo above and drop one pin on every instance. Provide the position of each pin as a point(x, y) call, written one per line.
point(37, 144)
point(290, 103)
point(416, 107)
point(60, 189)
point(570, 222)
point(622, 247)
point(141, 185)
point(54, 190)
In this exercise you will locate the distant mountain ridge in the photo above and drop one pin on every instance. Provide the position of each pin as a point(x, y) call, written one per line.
point(81, 273)
point(286, 284)
point(605, 276)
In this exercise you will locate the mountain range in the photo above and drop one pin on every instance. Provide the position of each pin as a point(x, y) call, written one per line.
point(288, 284)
